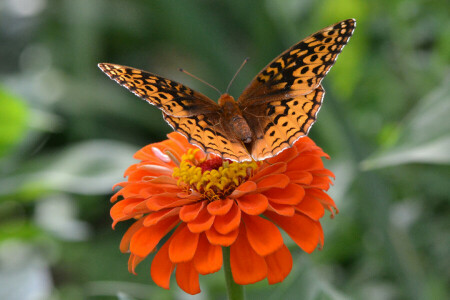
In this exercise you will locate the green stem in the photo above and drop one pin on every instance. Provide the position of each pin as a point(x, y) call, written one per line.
point(235, 291)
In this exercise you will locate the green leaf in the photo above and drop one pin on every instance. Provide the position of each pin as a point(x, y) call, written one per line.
point(87, 168)
point(424, 136)
point(13, 120)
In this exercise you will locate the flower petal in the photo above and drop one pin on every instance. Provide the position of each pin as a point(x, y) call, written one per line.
point(273, 181)
point(155, 217)
point(190, 212)
point(208, 258)
point(203, 222)
point(229, 222)
point(247, 266)
point(305, 163)
point(323, 198)
point(146, 238)
point(162, 267)
point(253, 204)
point(311, 207)
point(183, 245)
point(300, 177)
point(125, 242)
point(321, 236)
point(220, 207)
point(279, 265)
point(216, 238)
point(285, 156)
point(300, 228)
point(282, 209)
point(276, 168)
point(133, 261)
point(162, 201)
point(321, 182)
point(324, 172)
point(292, 194)
point(263, 235)
point(187, 278)
point(245, 188)
point(117, 211)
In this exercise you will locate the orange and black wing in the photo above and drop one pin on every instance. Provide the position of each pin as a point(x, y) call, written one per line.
point(188, 112)
point(278, 124)
point(211, 134)
point(169, 96)
point(282, 101)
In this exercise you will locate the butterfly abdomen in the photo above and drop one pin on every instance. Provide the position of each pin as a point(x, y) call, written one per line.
point(234, 119)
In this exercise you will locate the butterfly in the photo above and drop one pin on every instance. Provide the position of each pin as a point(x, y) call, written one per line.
point(278, 107)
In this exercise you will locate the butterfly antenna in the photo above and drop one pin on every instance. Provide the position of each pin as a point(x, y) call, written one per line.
point(237, 72)
point(199, 79)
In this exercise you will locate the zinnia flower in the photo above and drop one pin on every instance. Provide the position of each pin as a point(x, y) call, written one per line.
point(202, 203)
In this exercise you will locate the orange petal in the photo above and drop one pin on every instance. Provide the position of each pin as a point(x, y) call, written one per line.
point(273, 181)
point(162, 201)
point(281, 209)
point(146, 238)
point(324, 172)
point(187, 278)
point(245, 188)
point(203, 222)
point(183, 245)
point(125, 242)
point(229, 222)
point(305, 163)
point(316, 151)
point(292, 194)
point(162, 267)
point(220, 207)
point(155, 217)
point(263, 235)
point(191, 211)
point(321, 236)
point(311, 207)
point(133, 261)
point(277, 168)
point(300, 177)
point(131, 190)
point(321, 182)
point(136, 209)
point(323, 198)
point(300, 228)
point(253, 204)
point(285, 156)
point(279, 265)
point(216, 238)
point(304, 144)
point(117, 211)
point(208, 258)
point(247, 266)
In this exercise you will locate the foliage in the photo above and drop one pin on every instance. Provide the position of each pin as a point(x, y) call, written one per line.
point(68, 133)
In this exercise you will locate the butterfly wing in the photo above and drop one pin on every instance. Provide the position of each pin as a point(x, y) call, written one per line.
point(169, 96)
point(191, 113)
point(282, 101)
point(301, 68)
point(278, 124)
point(210, 133)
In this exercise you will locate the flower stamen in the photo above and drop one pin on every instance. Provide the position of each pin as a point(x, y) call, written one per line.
point(213, 178)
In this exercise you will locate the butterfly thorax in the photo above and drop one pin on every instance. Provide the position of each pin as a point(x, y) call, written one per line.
point(234, 119)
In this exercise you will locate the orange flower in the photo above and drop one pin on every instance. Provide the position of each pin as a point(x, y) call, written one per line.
point(210, 203)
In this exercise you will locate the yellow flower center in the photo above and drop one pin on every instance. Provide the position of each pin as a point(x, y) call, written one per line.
point(214, 178)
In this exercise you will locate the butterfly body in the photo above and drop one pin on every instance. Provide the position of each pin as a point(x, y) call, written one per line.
point(234, 119)
point(278, 107)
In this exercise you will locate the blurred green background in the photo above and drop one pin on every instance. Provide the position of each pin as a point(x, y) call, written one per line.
point(67, 133)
